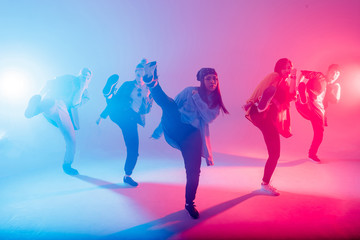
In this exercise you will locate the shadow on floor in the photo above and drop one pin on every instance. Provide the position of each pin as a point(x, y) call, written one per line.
point(177, 222)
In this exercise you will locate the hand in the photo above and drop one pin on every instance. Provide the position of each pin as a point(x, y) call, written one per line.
point(155, 136)
point(209, 161)
point(98, 121)
point(293, 73)
point(247, 106)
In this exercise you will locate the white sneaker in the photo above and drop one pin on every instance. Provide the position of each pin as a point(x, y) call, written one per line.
point(314, 158)
point(268, 189)
point(149, 71)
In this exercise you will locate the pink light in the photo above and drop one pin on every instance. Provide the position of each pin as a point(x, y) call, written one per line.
point(350, 83)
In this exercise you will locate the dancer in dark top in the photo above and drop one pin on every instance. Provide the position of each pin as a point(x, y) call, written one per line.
point(127, 107)
point(185, 123)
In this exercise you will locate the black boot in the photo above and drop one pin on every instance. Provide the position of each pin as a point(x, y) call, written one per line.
point(69, 170)
point(193, 212)
point(130, 181)
point(151, 77)
point(110, 85)
point(266, 98)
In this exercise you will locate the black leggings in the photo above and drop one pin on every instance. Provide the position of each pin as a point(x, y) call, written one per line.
point(318, 128)
point(130, 133)
point(265, 122)
point(187, 137)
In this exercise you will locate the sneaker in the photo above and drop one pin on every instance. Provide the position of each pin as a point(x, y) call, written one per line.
point(150, 72)
point(193, 212)
point(267, 188)
point(69, 170)
point(314, 158)
point(156, 77)
point(302, 93)
point(110, 85)
point(130, 181)
point(266, 97)
point(33, 106)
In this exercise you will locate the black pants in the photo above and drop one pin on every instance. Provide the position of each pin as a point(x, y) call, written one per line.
point(318, 128)
point(265, 122)
point(128, 126)
point(317, 122)
point(187, 137)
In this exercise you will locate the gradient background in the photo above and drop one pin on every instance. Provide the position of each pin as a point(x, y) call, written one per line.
point(242, 40)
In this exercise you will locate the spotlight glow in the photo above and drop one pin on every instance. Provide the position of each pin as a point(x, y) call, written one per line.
point(350, 84)
point(356, 81)
point(13, 85)
point(2, 135)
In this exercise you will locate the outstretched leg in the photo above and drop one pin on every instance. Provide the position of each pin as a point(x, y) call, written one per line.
point(166, 103)
point(302, 93)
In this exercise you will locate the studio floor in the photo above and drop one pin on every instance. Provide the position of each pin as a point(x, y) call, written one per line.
point(317, 201)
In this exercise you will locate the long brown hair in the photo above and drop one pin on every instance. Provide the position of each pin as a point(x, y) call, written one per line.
point(216, 99)
point(281, 64)
point(271, 79)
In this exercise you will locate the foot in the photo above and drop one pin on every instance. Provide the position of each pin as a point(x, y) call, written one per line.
point(69, 170)
point(266, 98)
point(268, 189)
point(302, 93)
point(33, 106)
point(110, 85)
point(130, 181)
point(150, 77)
point(193, 212)
point(314, 158)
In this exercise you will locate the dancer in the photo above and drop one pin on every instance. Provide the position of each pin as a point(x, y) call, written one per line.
point(314, 97)
point(127, 107)
point(268, 109)
point(185, 123)
point(58, 101)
